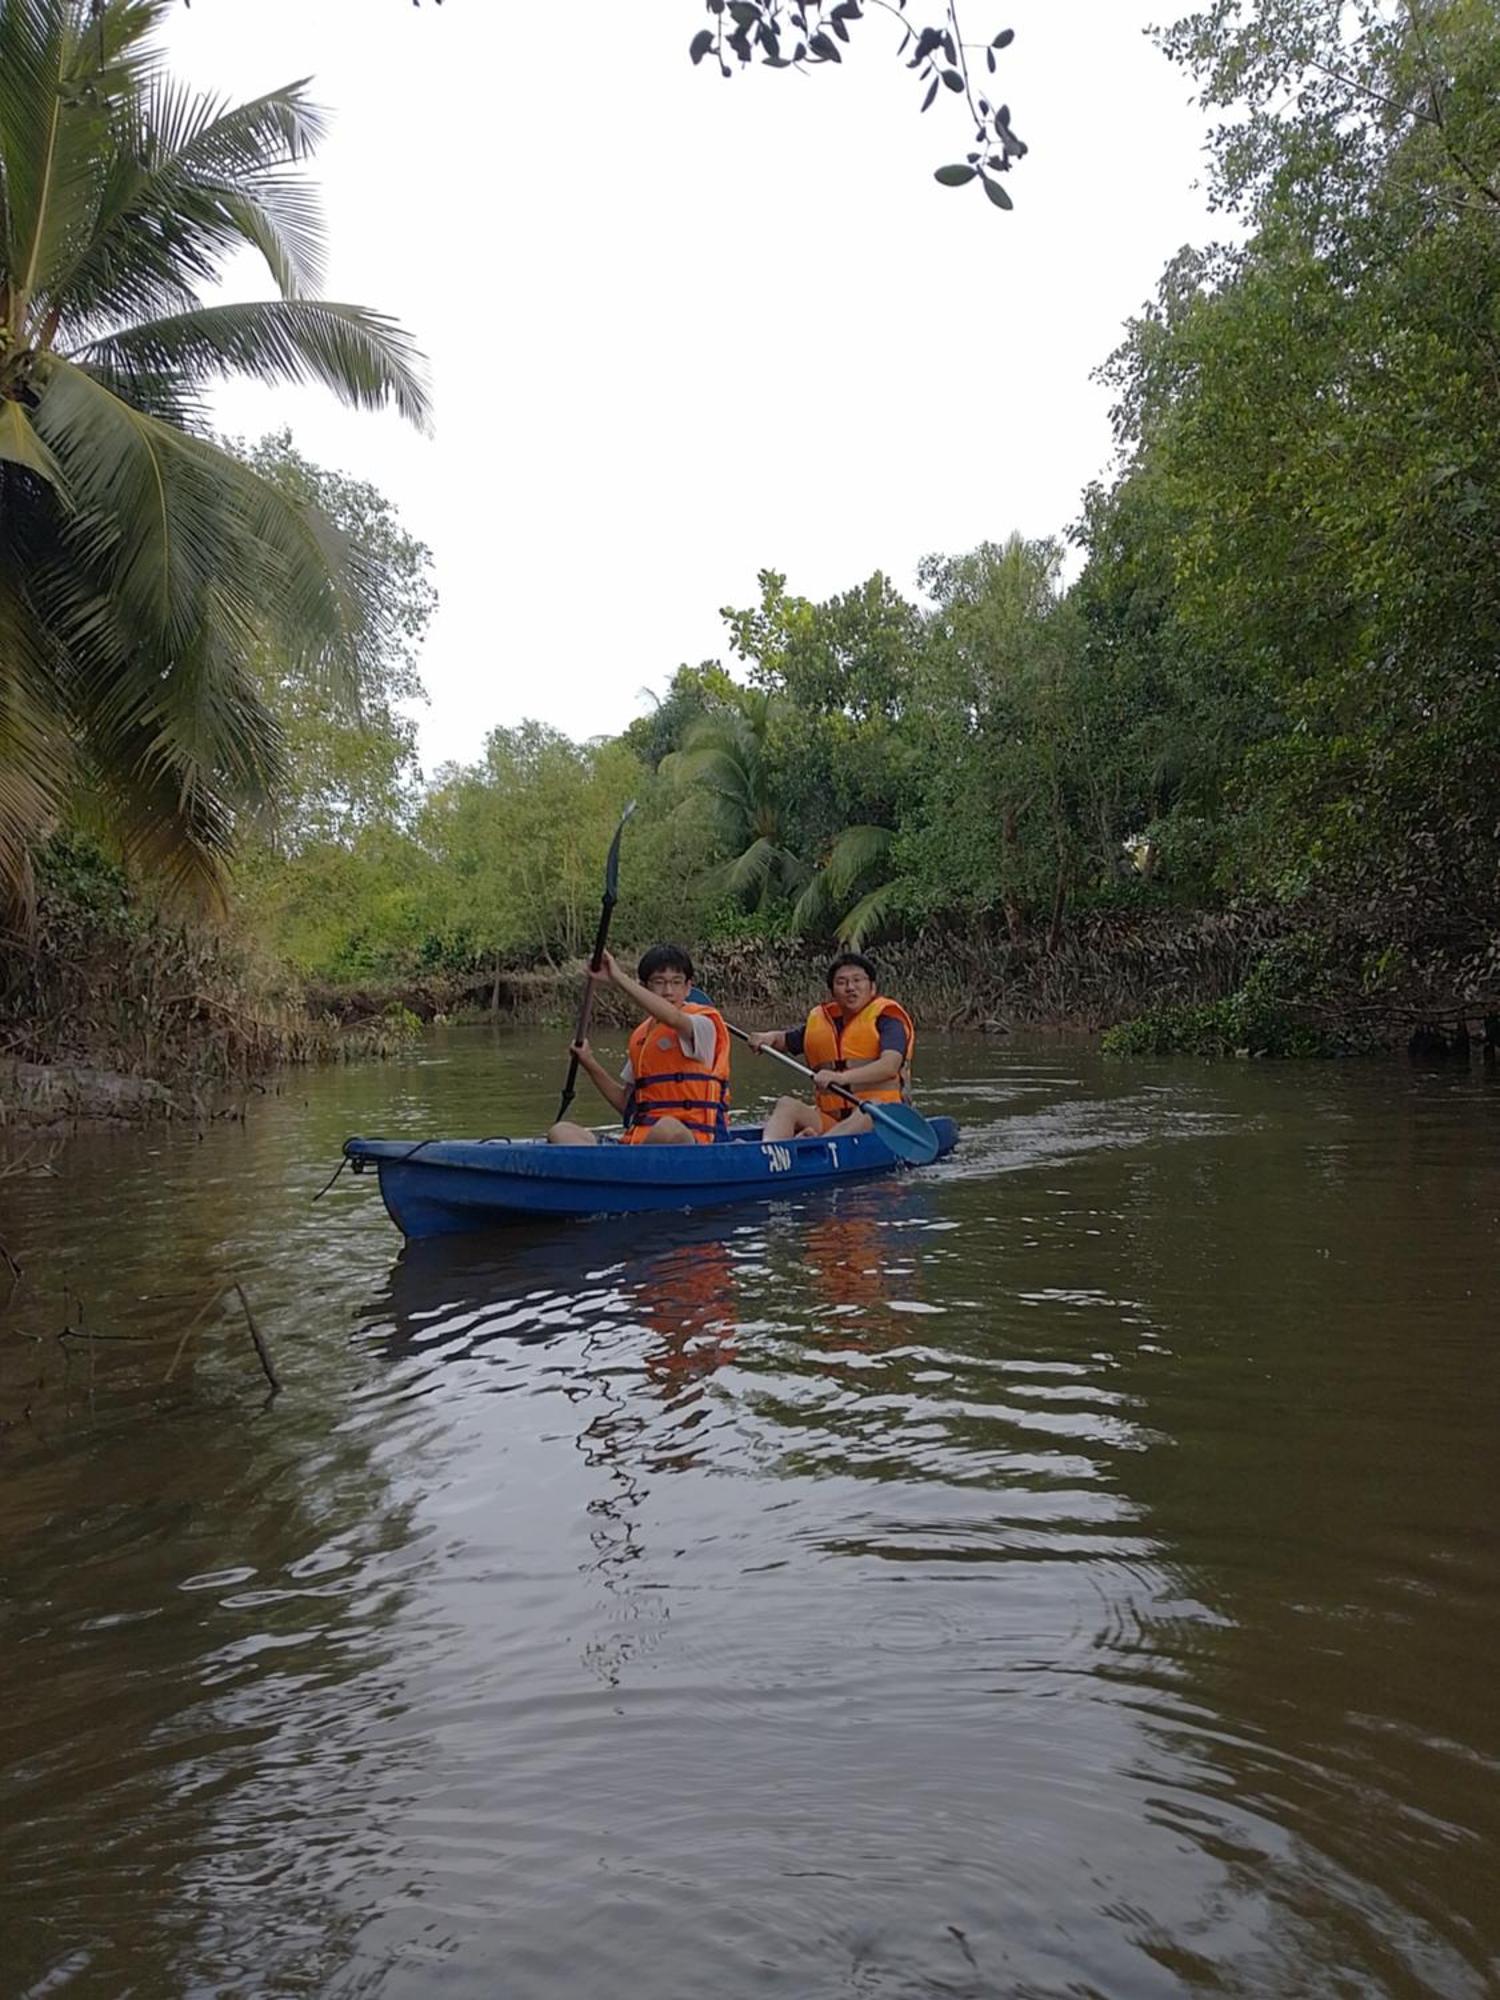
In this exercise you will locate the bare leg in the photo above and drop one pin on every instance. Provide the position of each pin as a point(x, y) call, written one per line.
point(668, 1132)
point(857, 1121)
point(566, 1133)
point(791, 1119)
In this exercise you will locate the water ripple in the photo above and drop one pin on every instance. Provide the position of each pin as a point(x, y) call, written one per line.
point(1070, 1571)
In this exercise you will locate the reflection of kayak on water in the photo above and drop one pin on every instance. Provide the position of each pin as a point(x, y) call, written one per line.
point(672, 1278)
point(441, 1187)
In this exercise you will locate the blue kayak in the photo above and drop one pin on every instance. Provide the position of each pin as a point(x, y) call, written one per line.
point(440, 1187)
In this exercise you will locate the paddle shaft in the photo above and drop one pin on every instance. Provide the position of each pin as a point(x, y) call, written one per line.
point(838, 1089)
point(902, 1126)
point(601, 938)
point(795, 1065)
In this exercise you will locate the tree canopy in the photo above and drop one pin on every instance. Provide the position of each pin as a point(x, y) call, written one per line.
point(143, 566)
point(1267, 674)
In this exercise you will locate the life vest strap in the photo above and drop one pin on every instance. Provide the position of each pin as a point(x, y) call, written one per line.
point(682, 1076)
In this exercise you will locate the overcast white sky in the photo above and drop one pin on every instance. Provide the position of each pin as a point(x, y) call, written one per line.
point(680, 329)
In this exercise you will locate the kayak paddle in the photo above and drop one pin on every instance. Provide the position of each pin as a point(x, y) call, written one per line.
point(902, 1127)
point(601, 938)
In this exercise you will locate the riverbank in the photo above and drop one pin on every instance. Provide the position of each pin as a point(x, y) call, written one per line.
point(115, 1010)
point(1216, 983)
point(118, 1015)
point(1102, 970)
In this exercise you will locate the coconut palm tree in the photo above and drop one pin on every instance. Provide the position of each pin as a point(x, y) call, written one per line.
point(725, 757)
point(140, 562)
point(853, 894)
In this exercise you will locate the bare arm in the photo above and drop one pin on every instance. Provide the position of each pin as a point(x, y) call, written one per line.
point(609, 1087)
point(648, 1002)
point(885, 1069)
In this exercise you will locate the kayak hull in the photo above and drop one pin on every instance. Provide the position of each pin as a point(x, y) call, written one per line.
point(444, 1187)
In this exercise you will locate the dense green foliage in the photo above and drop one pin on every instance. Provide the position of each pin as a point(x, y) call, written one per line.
point(1263, 683)
point(143, 568)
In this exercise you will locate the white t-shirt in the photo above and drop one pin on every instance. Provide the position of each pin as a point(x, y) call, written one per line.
point(695, 1040)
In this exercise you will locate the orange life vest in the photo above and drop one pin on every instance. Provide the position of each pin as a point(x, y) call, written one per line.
point(831, 1042)
point(668, 1084)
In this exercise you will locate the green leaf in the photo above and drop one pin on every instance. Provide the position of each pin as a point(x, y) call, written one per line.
point(364, 358)
point(954, 177)
point(20, 445)
point(997, 193)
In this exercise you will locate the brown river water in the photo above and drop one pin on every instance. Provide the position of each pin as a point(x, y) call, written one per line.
point(1070, 1570)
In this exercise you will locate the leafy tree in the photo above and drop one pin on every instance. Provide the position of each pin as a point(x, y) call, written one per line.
point(350, 765)
point(694, 692)
point(142, 566)
point(806, 35)
point(992, 728)
point(1316, 406)
point(1163, 718)
point(519, 841)
point(838, 754)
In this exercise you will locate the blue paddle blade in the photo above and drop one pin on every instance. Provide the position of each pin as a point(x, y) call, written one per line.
point(905, 1131)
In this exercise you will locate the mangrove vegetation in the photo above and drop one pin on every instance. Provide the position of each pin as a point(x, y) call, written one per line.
point(1217, 766)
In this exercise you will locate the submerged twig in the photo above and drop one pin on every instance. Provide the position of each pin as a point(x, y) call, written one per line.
point(190, 1329)
point(260, 1343)
point(263, 1352)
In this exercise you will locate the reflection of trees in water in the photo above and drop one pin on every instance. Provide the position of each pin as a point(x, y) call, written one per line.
point(200, 1608)
point(1229, 1398)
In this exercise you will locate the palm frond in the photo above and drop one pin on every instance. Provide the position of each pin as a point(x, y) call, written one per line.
point(66, 75)
point(148, 521)
point(36, 742)
point(811, 911)
point(871, 913)
point(749, 874)
point(187, 182)
point(718, 775)
point(182, 836)
point(855, 854)
point(363, 357)
point(20, 445)
point(167, 522)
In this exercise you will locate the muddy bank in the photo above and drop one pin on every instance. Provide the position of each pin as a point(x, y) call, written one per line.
point(41, 1097)
point(1272, 981)
point(1104, 970)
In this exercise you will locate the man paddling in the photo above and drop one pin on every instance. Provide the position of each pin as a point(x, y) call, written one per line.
point(859, 1037)
point(674, 1088)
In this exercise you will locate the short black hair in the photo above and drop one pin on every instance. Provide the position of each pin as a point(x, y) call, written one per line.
point(664, 958)
point(866, 965)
